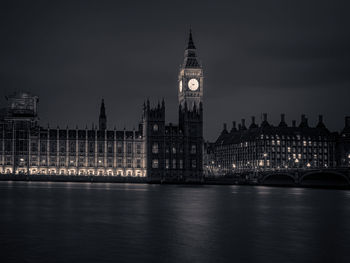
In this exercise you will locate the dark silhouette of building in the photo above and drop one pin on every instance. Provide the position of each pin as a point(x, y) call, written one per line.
point(102, 120)
point(175, 152)
point(343, 145)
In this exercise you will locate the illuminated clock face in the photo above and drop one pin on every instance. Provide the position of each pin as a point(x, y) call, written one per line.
point(180, 86)
point(193, 84)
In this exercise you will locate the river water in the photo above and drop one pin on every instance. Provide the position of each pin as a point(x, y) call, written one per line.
point(84, 222)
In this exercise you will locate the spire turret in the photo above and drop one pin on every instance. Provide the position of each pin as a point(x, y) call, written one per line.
point(190, 59)
point(102, 117)
point(190, 41)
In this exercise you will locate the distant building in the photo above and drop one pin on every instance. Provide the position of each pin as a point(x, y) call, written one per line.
point(155, 150)
point(265, 147)
point(343, 145)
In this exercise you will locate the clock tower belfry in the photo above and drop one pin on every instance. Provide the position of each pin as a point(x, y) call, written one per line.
point(191, 113)
point(190, 81)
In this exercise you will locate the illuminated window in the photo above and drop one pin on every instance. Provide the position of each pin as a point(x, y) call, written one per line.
point(174, 163)
point(155, 163)
point(155, 148)
point(167, 164)
point(155, 127)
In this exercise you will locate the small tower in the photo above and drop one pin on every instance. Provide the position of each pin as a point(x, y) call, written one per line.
point(153, 125)
point(102, 118)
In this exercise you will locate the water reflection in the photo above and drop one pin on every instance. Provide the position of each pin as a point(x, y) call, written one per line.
point(93, 222)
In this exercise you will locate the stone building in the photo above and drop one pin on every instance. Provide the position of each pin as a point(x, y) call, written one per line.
point(156, 150)
point(265, 147)
point(175, 152)
point(29, 148)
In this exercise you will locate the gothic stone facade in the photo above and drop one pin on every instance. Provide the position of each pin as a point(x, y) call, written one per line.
point(30, 149)
point(155, 150)
point(175, 152)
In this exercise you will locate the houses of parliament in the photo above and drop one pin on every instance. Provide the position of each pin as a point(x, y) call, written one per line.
point(155, 150)
point(160, 151)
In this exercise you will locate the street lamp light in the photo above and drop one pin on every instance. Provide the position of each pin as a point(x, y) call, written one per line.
point(296, 162)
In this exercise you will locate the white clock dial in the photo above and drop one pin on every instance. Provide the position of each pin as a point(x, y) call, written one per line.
point(193, 84)
point(180, 86)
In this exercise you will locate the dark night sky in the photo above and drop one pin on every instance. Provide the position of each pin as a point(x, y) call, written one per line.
point(258, 56)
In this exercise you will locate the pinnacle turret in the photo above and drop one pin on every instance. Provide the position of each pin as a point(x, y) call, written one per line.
point(102, 117)
point(190, 58)
point(190, 42)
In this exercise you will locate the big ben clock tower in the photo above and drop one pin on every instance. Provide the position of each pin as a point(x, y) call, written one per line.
point(190, 78)
point(190, 83)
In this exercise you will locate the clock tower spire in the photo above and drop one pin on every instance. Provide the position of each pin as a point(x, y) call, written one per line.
point(190, 78)
point(191, 112)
